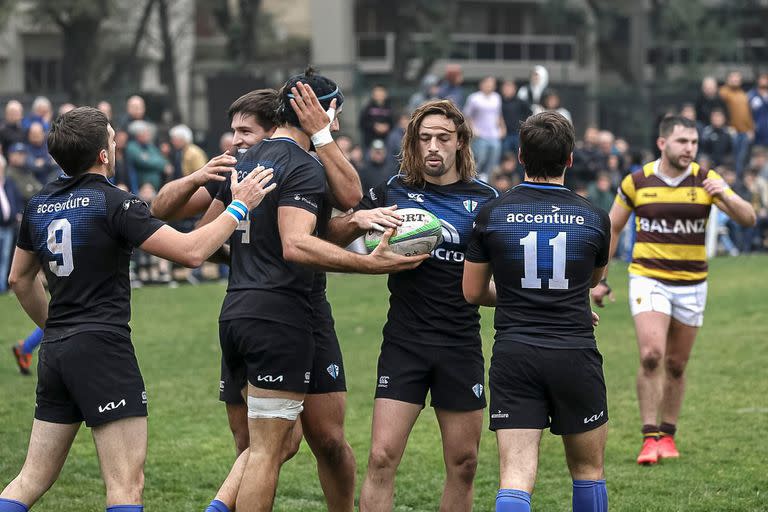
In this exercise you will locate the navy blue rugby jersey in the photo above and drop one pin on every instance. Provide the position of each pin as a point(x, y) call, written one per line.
point(426, 304)
point(262, 284)
point(543, 243)
point(83, 231)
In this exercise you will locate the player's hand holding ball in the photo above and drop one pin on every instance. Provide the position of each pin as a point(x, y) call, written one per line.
point(212, 171)
point(385, 261)
point(379, 219)
point(252, 188)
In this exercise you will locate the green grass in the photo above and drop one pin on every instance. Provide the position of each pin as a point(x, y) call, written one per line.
point(722, 432)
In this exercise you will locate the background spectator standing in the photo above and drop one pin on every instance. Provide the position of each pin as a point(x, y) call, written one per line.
point(18, 172)
point(378, 166)
point(187, 156)
point(716, 141)
point(11, 130)
point(551, 101)
point(740, 118)
point(533, 91)
point(39, 162)
point(514, 110)
point(42, 112)
point(602, 192)
point(758, 103)
point(11, 207)
point(394, 140)
point(483, 112)
point(105, 108)
point(708, 100)
point(451, 87)
point(429, 90)
point(135, 110)
point(376, 118)
point(144, 158)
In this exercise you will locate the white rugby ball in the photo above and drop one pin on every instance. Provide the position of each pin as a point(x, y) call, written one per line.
point(420, 233)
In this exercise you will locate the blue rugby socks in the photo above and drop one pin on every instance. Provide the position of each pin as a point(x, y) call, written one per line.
point(217, 506)
point(590, 496)
point(126, 508)
point(12, 506)
point(32, 341)
point(513, 500)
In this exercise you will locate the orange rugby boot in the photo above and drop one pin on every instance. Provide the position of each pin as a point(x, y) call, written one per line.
point(666, 448)
point(649, 453)
point(23, 361)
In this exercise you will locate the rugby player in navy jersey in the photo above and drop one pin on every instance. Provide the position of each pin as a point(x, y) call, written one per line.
point(432, 335)
point(267, 321)
point(545, 247)
point(80, 230)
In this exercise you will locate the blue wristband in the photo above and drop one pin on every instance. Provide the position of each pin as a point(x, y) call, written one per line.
point(238, 210)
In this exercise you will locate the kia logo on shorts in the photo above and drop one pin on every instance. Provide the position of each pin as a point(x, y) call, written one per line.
point(594, 417)
point(269, 378)
point(111, 406)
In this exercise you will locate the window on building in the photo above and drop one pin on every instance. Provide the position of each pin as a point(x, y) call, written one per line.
point(42, 75)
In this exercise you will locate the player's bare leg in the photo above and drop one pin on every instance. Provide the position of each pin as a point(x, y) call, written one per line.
point(227, 493)
point(518, 458)
point(122, 449)
point(585, 453)
point(652, 329)
point(392, 424)
point(679, 346)
point(323, 423)
point(269, 437)
point(49, 444)
point(237, 415)
point(460, 432)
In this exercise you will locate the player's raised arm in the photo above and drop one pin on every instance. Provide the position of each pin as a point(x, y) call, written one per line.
point(192, 249)
point(342, 177)
point(727, 200)
point(27, 287)
point(187, 196)
point(300, 246)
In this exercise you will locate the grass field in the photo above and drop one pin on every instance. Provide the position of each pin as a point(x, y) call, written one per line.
point(722, 432)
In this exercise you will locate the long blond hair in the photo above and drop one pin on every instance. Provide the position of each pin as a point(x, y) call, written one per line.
point(411, 160)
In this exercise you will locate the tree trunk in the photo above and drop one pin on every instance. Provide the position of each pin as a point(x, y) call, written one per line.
point(168, 67)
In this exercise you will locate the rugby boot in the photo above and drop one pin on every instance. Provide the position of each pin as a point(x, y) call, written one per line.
point(666, 448)
point(23, 361)
point(649, 453)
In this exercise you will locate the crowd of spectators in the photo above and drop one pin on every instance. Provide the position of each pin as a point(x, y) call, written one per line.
point(732, 123)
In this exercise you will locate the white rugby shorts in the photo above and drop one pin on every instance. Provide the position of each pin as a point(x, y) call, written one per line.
point(683, 303)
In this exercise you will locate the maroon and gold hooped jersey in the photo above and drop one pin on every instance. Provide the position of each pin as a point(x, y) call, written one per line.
point(671, 222)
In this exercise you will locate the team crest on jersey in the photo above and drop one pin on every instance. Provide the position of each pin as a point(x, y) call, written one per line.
point(333, 370)
point(469, 205)
point(477, 389)
point(692, 194)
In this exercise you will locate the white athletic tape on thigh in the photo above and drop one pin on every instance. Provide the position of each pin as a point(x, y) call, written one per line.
point(261, 407)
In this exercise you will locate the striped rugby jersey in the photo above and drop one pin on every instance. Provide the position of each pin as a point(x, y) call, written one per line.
point(671, 222)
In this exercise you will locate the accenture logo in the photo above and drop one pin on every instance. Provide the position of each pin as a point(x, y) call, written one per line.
point(554, 217)
point(70, 204)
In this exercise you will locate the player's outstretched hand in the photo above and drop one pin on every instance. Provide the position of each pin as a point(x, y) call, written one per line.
point(599, 293)
point(212, 171)
point(309, 110)
point(380, 219)
point(383, 260)
point(252, 189)
point(715, 187)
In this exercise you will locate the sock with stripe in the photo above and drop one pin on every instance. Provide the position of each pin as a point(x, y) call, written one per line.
point(32, 341)
point(7, 505)
point(667, 429)
point(126, 508)
point(513, 500)
point(217, 506)
point(650, 431)
point(590, 496)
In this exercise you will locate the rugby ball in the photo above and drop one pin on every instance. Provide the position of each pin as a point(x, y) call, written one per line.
point(420, 233)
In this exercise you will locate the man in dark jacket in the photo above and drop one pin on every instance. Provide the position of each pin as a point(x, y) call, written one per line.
point(10, 210)
point(376, 118)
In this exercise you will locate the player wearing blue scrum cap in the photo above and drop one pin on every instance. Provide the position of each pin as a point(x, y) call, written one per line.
point(268, 323)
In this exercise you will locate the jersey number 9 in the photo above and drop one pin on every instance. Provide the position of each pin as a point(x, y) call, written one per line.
point(60, 245)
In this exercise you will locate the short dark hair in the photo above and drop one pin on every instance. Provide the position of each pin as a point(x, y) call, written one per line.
point(77, 137)
point(546, 142)
point(668, 123)
point(261, 104)
point(324, 88)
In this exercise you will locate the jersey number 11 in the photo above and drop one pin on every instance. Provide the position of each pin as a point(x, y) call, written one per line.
point(531, 277)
